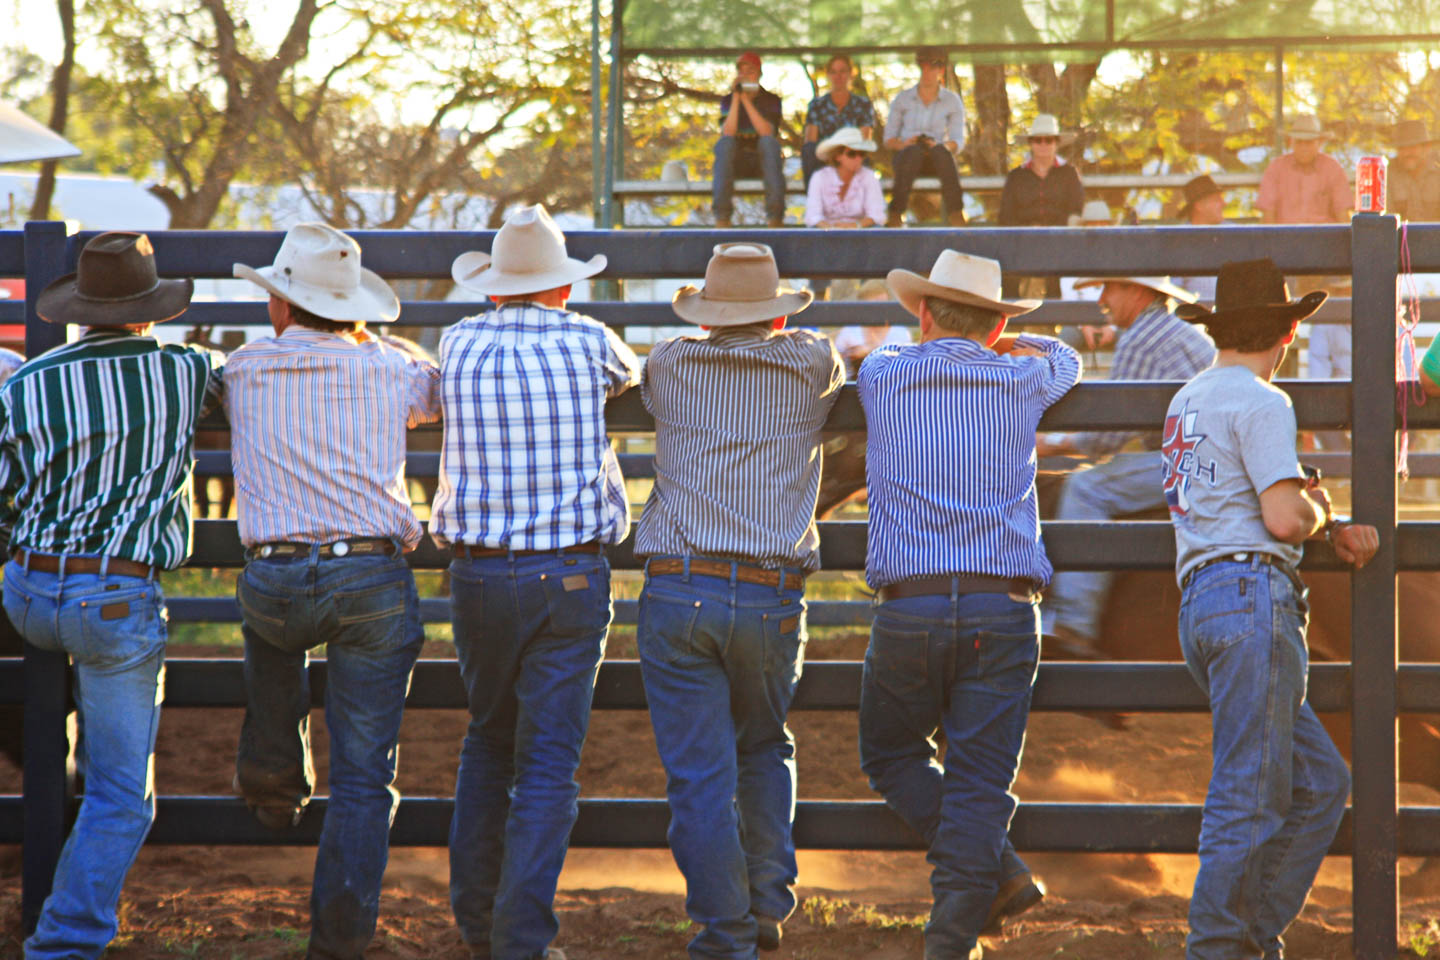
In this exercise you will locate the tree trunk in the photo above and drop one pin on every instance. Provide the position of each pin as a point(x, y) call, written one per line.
point(988, 149)
point(59, 110)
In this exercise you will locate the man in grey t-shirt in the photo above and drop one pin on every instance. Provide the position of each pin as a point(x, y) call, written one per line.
point(1241, 507)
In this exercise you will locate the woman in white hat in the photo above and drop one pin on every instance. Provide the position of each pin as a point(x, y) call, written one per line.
point(1044, 191)
point(845, 192)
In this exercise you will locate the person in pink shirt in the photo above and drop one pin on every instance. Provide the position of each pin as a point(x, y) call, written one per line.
point(1304, 185)
point(845, 192)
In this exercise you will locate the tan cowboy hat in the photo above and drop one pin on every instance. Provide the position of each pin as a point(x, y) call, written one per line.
point(114, 285)
point(844, 137)
point(742, 285)
point(528, 256)
point(1045, 125)
point(959, 277)
point(318, 269)
point(1161, 285)
point(1095, 213)
point(1411, 133)
point(1306, 126)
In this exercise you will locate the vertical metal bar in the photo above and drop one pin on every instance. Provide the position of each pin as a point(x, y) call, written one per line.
point(597, 141)
point(1109, 21)
point(1279, 100)
point(614, 115)
point(1375, 263)
point(46, 684)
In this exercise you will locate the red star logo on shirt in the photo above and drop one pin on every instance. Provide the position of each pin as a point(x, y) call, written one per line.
point(1178, 450)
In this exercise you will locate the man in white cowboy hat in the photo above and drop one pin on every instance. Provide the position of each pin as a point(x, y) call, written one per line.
point(1044, 191)
point(1242, 509)
point(318, 415)
point(1414, 187)
point(955, 557)
point(530, 495)
point(1153, 344)
point(925, 132)
point(729, 536)
point(96, 440)
point(1304, 185)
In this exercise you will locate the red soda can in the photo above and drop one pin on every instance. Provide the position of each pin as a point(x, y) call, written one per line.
point(1370, 185)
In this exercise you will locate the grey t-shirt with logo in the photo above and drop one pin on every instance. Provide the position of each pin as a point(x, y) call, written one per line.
point(1228, 436)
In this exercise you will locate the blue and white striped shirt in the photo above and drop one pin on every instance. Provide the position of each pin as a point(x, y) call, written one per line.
point(526, 463)
point(317, 426)
point(951, 457)
point(737, 444)
point(1157, 346)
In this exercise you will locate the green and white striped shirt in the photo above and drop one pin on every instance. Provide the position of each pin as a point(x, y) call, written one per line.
point(96, 447)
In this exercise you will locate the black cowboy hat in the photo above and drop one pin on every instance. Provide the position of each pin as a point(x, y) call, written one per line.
point(1249, 291)
point(1196, 190)
point(114, 285)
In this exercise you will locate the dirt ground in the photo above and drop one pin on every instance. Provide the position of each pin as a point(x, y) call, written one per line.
point(228, 903)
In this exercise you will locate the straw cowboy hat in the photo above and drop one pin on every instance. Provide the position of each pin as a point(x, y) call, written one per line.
point(1095, 213)
point(960, 277)
point(1045, 125)
point(742, 285)
point(1161, 285)
point(1411, 133)
point(1248, 291)
point(114, 285)
point(318, 269)
point(1196, 190)
point(1306, 126)
point(528, 256)
point(840, 139)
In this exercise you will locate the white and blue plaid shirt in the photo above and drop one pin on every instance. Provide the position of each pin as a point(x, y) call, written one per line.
point(526, 463)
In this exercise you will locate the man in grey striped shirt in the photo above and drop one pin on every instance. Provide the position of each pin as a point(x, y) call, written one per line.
point(729, 533)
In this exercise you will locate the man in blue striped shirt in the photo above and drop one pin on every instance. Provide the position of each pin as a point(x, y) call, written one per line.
point(729, 533)
point(530, 493)
point(96, 441)
point(318, 415)
point(1154, 344)
point(956, 559)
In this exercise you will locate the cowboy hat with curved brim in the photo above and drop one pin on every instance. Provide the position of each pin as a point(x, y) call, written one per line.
point(1250, 291)
point(742, 285)
point(114, 285)
point(1196, 190)
point(959, 277)
point(1306, 126)
point(1045, 125)
point(1095, 213)
point(528, 256)
point(1411, 133)
point(1161, 285)
point(844, 137)
point(318, 269)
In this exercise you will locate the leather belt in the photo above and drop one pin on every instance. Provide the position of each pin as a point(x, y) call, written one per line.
point(959, 583)
point(744, 572)
point(1264, 559)
point(50, 563)
point(472, 550)
point(353, 546)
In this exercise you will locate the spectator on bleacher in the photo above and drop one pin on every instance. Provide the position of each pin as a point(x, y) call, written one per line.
point(839, 107)
point(1088, 337)
point(729, 537)
point(1153, 344)
point(1414, 188)
point(96, 454)
point(749, 144)
point(1304, 185)
point(1044, 191)
point(955, 555)
point(856, 343)
point(530, 494)
point(318, 415)
point(1204, 207)
point(845, 192)
point(925, 131)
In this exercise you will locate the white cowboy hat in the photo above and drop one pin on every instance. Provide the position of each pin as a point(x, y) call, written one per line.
point(318, 269)
point(844, 137)
point(1045, 125)
point(959, 277)
point(1306, 126)
point(527, 256)
point(1161, 285)
point(1094, 213)
point(742, 285)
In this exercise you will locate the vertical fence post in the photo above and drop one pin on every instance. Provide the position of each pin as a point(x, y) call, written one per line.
point(1375, 263)
point(46, 685)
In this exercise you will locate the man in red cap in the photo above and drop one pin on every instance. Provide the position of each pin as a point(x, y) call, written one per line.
point(748, 147)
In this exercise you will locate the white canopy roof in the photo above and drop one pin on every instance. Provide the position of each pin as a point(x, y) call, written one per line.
point(24, 139)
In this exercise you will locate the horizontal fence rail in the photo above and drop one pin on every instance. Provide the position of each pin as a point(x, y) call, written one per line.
point(971, 184)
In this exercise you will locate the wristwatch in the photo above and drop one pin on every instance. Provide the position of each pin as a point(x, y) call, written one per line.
point(1332, 525)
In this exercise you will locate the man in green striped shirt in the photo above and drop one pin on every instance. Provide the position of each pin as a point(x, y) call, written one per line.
point(96, 444)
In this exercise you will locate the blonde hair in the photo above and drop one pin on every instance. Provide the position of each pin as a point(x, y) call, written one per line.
point(873, 289)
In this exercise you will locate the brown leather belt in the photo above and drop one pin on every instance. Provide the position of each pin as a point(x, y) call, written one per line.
point(744, 572)
point(472, 551)
point(960, 583)
point(50, 563)
point(1264, 559)
point(354, 546)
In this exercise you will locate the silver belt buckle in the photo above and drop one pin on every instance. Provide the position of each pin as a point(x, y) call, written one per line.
point(340, 548)
point(266, 550)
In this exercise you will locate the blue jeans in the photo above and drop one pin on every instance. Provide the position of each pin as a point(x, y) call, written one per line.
point(113, 628)
point(1126, 483)
point(365, 609)
point(734, 159)
point(529, 633)
point(964, 663)
point(910, 162)
point(1278, 785)
point(720, 660)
